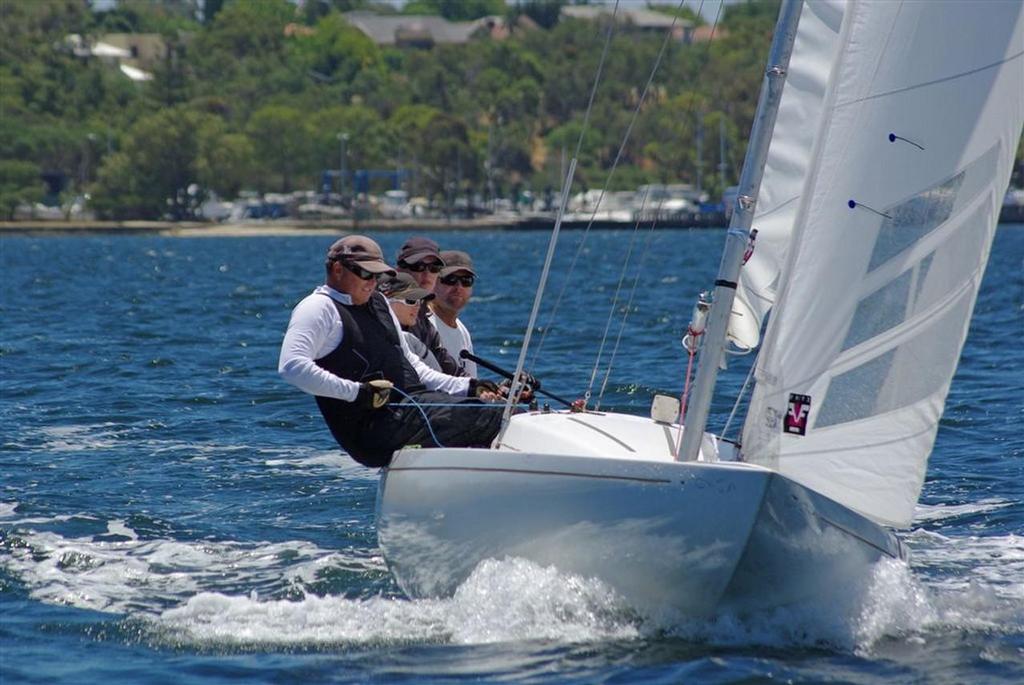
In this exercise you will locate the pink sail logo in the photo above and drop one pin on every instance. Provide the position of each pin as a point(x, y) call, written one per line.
point(795, 421)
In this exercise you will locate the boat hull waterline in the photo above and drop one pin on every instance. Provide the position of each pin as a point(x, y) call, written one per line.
point(688, 538)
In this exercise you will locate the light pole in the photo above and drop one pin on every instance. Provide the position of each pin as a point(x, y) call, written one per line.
point(342, 164)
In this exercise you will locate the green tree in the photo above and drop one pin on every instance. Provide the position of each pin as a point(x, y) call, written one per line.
point(438, 145)
point(20, 183)
point(456, 10)
point(335, 50)
point(544, 13)
point(369, 144)
point(225, 161)
point(151, 174)
point(281, 138)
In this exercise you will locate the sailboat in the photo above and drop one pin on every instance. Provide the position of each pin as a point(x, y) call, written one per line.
point(881, 149)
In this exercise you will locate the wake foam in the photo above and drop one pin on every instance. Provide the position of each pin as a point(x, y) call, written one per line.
point(504, 601)
point(294, 593)
point(117, 572)
point(894, 601)
point(515, 600)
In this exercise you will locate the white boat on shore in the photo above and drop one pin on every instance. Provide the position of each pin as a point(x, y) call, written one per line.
point(884, 179)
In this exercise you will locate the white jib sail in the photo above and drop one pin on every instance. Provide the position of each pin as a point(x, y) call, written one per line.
point(917, 133)
point(785, 170)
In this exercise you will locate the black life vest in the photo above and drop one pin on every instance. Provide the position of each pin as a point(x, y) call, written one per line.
point(370, 349)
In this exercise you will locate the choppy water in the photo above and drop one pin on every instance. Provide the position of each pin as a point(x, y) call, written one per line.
point(170, 511)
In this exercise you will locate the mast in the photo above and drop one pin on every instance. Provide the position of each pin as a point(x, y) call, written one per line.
point(739, 228)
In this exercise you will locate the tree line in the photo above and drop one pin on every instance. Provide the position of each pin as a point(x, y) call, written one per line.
point(265, 95)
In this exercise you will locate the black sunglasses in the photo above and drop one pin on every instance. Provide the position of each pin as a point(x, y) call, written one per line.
point(359, 271)
point(433, 267)
point(452, 279)
point(408, 302)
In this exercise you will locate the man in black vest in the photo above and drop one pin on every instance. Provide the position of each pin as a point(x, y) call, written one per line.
point(343, 346)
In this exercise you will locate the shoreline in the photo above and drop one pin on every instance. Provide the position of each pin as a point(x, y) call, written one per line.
point(243, 229)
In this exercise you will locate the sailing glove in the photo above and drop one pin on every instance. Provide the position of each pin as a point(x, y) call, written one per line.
point(530, 381)
point(374, 394)
point(525, 390)
point(478, 387)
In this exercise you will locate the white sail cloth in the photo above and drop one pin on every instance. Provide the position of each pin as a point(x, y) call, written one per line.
point(785, 170)
point(891, 228)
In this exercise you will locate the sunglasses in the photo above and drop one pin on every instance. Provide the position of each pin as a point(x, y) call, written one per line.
point(452, 279)
point(433, 267)
point(359, 271)
point(411, 303)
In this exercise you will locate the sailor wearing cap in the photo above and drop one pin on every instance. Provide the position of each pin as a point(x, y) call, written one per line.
point(343, 346)
point(454, 288)
point(420, 258)
point(407, 299)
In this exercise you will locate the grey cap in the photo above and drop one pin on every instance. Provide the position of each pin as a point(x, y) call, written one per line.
point(358, 248)
point(403, 287)
point(416, 249)
point(455, 261)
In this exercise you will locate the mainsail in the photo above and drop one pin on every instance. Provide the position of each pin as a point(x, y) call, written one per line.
point(914, 140)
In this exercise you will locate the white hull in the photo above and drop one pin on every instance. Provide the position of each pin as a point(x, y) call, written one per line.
point(682, 537)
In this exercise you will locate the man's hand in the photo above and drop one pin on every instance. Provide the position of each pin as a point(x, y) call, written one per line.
point(374, 394)
point(525, 391)
point(485, 390)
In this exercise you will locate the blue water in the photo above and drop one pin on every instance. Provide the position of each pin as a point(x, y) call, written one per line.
point(170, 511)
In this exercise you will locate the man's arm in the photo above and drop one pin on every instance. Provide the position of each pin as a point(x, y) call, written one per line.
point(313, 332)
point(448, 363)
point(434, 380)
point(425, 331)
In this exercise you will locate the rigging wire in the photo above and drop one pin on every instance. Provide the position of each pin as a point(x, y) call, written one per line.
point(625, 315)
point(579, 249)
point(566, 189)
point(636, 279)
point(608, 179)
point(615, 299)
point(611, 311)
point(739, 398)
point(632, 294)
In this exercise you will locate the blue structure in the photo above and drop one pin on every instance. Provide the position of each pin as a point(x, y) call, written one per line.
point(362, 178)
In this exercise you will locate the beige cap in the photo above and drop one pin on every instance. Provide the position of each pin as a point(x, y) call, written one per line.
point(358, 248)
point(403, 287)
point(455, 261)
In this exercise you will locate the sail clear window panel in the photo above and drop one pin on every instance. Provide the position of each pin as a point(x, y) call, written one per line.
point(881, 310)
point(853, 395)
point(919, 215)
point(922, 274)
point(910, 372)
point(924, 366)
point(957, 261)
point(913, 219)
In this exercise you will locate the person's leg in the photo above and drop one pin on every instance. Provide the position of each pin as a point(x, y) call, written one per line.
point(453, 421)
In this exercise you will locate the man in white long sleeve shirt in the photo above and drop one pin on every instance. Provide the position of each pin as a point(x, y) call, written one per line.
point(343, 346)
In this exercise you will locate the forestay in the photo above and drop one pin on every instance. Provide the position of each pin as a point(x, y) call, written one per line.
point(915, 138)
